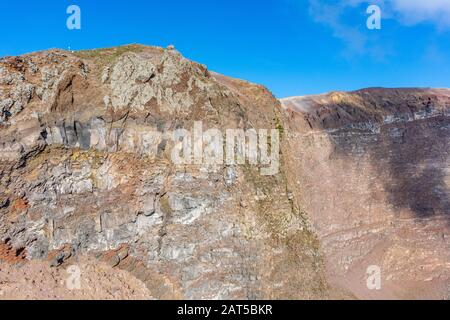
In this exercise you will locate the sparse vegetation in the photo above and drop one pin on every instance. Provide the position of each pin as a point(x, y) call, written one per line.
point(279, 127)
point(302, 248)
point(107, 56)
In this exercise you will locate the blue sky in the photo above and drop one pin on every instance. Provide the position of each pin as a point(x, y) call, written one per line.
point(294, 47)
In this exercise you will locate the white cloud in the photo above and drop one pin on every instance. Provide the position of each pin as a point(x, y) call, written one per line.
point(332, 16)
point(411, 12)
point(407, 12)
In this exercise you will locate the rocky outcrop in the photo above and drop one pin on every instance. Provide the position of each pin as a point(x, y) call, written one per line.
point(372, 171)
point(87, 173)
point(85, 169)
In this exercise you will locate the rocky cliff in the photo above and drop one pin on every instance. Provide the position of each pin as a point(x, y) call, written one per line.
point(372, 170)
point(86, 169)
point(87, 172)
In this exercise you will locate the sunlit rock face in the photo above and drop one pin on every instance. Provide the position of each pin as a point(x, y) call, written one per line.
point(372, 169)
point(86, 169)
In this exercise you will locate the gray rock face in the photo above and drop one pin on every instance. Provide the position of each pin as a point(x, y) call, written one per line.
point(16, 93)
point(383, 194)
point(168, 81)
point(85, 168)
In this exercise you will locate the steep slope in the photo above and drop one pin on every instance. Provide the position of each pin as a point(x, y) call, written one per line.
point(87, 173)
point(86, 169)
point(372, 169)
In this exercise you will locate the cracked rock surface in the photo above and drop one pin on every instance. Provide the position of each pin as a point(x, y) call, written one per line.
point(86, 177)
point(85, 170)
point(383, 196)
